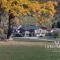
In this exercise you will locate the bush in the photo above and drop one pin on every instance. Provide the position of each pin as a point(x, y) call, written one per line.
point(56, 34)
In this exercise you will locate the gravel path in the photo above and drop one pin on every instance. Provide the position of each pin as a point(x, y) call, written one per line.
point(24, 43)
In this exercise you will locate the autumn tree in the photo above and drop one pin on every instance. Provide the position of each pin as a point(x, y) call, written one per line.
point(42, 12)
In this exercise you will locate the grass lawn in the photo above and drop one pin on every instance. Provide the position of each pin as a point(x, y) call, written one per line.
point(18, 52)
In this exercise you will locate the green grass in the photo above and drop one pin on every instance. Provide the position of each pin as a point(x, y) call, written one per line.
point(27, 53)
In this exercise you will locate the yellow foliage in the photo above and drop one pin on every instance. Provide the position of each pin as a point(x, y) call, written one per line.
point(34, 7)
point(16, 8)
point(49, 4)
point(55, 3)
point(17, 22)
point(23, 1)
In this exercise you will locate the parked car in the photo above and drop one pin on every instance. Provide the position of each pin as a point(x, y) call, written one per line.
point(53, 33)
point(40, 32)
point(23, 30)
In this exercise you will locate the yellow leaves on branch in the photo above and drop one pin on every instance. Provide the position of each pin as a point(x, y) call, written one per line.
point(24, 7)
point(24, 11)
point(23, 1)
point(34, 6)
point(55, 3)
point(49, 4)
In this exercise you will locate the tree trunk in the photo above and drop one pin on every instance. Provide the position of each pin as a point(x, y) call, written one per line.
point(10, 29)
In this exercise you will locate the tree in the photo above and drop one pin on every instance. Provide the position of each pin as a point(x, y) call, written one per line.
point(42, 12)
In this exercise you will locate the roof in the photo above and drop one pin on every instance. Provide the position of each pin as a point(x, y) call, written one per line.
point(29, 27)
